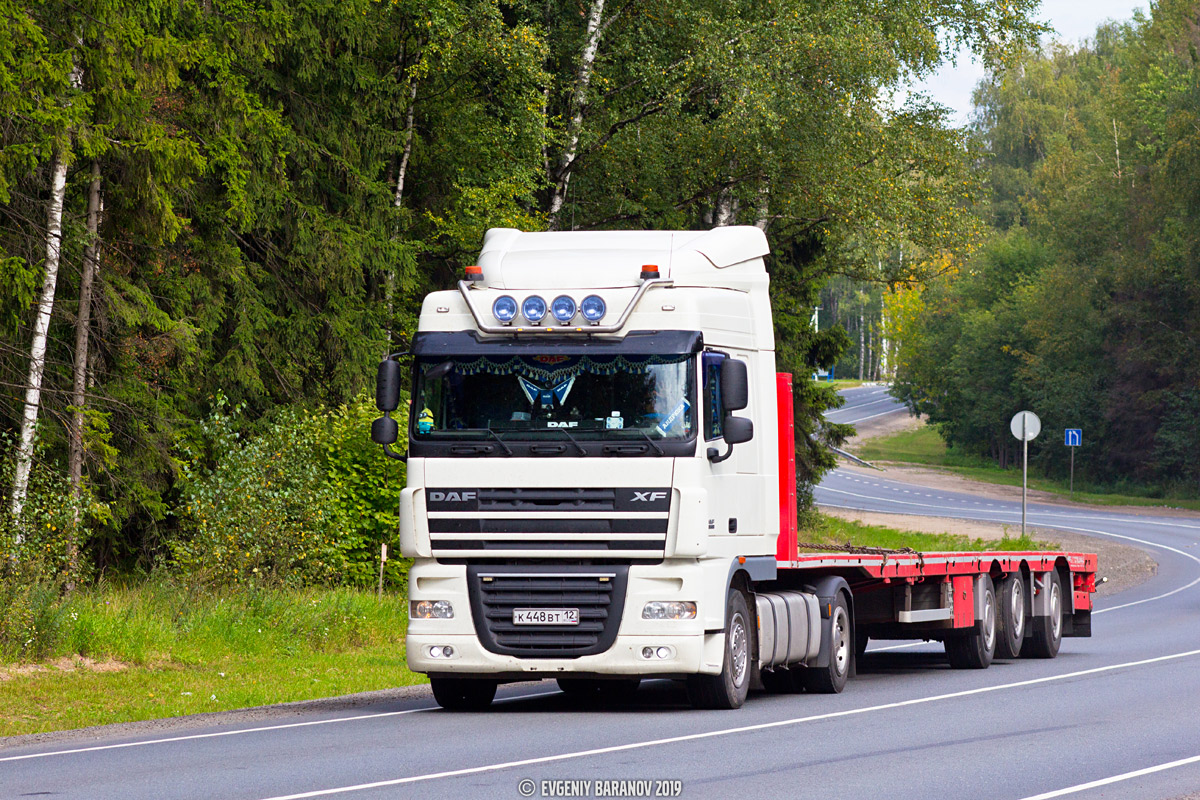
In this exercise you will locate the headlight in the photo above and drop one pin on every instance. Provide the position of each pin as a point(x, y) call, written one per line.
point(563, 308)
point(504, 309)
point(431, 609)
point(534, 308)
point(593, 308)
point(674, 609)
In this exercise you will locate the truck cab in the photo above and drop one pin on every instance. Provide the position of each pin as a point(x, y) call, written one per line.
point(574, 507)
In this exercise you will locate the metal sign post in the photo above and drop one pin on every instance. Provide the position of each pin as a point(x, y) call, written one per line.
point(1072, 438)
point(1025, 426)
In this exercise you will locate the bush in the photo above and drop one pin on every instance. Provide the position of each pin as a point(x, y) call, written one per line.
point(307, 500)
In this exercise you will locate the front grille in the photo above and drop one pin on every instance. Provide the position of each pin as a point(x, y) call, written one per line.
point(557, 522)
point(598, 593)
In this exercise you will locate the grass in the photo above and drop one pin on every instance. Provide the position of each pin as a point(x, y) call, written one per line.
point(924, 446)
point(155, 650)
point(836, 531)
point(842, 383)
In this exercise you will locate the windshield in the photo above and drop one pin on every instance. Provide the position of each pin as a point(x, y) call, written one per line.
point(527, 397)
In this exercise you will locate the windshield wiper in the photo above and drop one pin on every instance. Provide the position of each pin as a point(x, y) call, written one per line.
point(496, 436)
point(564, 432)
point(657, 449)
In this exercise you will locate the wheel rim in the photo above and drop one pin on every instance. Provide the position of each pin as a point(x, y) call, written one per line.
point(841, 641)
point(989, 621)
point(1017, 609)
point(1055, 609)
point(739, 652)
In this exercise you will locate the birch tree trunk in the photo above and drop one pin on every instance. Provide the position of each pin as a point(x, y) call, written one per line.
point(41, 327)
point(587, 62)
point(398, 201)
point(862, 342)
point(80, 366)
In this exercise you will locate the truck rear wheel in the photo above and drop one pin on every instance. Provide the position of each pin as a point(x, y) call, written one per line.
point(1010, 621)
point(730, 687)
point(831, 678)
point(976, 649)
point(1047, 631)
point(463, 694)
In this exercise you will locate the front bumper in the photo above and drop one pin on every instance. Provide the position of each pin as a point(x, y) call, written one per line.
point(692, 650)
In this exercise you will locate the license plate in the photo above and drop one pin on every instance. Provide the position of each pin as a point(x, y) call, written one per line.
point(545, 616)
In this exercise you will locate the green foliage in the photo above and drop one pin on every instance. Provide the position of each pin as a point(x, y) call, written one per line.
point(1087, 309)
point(303, 501)
point(164, 621)
point(256, 241)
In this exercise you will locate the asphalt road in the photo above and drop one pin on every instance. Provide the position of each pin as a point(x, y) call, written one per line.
point(1119, 708)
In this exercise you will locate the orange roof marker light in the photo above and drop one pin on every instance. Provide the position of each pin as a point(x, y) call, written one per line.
point(649, 272)
point(473, 274)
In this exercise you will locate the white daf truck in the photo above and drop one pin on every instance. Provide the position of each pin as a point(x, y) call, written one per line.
point(601, 489)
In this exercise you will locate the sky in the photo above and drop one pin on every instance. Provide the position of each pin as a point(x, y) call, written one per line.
point(1074, 20)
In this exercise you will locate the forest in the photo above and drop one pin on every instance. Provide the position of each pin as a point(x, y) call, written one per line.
point(1083, 302)
point(217, 215)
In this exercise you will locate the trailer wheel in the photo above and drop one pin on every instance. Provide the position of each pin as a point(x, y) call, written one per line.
point(831, 678)
point(1010, 621)
point(976, 649)
point(463, 694)
point(729, 688)
point(1047, 631)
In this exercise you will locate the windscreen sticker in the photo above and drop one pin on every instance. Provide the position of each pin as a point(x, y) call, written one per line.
point(673, 418)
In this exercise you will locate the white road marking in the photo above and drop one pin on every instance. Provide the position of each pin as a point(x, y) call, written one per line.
point(618, 748)
point(260, 729)
point(1116, 778)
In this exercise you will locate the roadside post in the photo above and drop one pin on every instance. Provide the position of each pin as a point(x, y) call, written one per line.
point(1072, 438)
point(1025, 426)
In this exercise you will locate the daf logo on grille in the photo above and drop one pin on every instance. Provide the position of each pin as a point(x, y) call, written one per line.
point(452, 497)
point(648, 497)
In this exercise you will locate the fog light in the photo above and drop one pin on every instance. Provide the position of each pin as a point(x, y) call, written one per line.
point(448, 651)
point(647, 652)
point(593, 308)
point(431, 609)
point(504, 309)
point(673, 609)
point(663, 652)
point(563, 308)
point(533, 309)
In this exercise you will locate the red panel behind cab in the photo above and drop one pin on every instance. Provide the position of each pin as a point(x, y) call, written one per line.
point(785, 548)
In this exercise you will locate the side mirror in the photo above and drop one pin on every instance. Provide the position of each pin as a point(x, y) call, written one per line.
point(387, 387)
point(385, 430)
point(737, 430)
point(735, 385)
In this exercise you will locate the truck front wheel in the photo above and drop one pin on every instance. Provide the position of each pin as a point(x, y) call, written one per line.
point(463, 694)
point(730, 687)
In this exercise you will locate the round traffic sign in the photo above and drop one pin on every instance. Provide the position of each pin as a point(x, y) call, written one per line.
point(1025, 426)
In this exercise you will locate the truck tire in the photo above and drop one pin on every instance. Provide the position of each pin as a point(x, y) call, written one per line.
point(618, 691)
point(831, 679)
point(729, 688)
point(976, 649)
point(463, 694)
point(1047, 631)
point(1011, 607)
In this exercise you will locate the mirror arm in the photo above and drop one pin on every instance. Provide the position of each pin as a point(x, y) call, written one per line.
point(387, 449)
point(717, 459)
